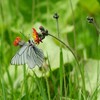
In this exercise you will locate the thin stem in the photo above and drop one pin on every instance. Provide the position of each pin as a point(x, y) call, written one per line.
point(66, 47)
point(91, 20)
point(25, 82)
point(57, 27)
point(24, 35)
point(33, 10)
point(82, 75)
point(61, 73)
point(56, 16)
point(73, 19)
point(47, 83)
point(97, 29)
point(97, 42)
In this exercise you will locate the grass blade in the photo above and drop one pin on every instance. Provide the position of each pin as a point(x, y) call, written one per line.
point(61, 72)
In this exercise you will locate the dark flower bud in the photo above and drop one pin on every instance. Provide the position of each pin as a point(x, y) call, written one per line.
point(56, 16)
point(90, 19)
point(41, 28)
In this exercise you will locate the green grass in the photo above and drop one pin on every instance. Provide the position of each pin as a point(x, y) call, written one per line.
point(68, 73)
point(61, 74)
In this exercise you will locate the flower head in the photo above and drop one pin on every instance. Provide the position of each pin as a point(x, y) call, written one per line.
point(16, 41)
point(36, 37)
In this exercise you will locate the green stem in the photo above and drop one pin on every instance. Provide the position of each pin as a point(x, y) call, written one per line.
point(47, 83)
point(82, 74)
point(73, 19)
point(66, 47)
point(97, 43)
point(96, 27)
point(25, 83)
point(57, 27)
point(61, 73)
point(91, 20)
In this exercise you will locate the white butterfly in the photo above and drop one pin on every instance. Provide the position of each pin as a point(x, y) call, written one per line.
point(28, 54)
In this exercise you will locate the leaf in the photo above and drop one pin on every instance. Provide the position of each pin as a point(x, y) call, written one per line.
point(92, 68)
point(53, 52)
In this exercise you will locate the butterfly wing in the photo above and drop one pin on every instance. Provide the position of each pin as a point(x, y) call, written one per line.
point(29, 54)
point(39, 56)
point(21, 56)
point(30, 58)
point(35, 57)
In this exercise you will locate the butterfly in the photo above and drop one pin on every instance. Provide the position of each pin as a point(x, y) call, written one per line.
point(28, 54)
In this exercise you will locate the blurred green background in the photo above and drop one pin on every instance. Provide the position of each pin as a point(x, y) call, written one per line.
point(21, 15)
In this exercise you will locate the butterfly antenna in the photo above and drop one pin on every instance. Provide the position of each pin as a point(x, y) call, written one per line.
point(23, 35)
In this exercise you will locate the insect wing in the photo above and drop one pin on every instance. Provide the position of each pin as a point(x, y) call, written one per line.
point(39, 55)
point(30, 59)
point(35, 57)
point(28, 54)
point(23, 48)
point(21, 56)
